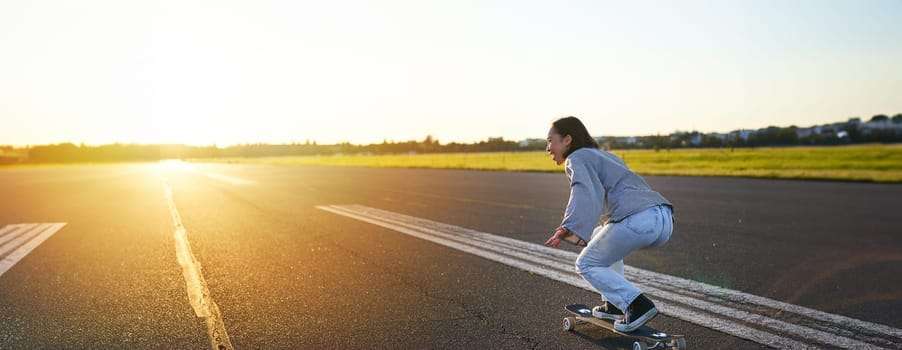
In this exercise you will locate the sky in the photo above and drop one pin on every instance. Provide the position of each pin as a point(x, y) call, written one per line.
point(363, 71)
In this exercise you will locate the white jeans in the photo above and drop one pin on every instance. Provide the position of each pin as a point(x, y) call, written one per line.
point(601, 261)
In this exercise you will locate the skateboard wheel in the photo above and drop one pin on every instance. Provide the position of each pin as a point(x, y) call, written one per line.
point(568, 323)
point(681, 344)
point(639, 346)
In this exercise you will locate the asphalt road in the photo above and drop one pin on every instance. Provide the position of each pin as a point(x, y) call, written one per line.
point(286, 274)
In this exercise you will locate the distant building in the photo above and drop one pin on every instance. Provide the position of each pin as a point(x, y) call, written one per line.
point(696, 139)
point(531, 143)
point(886, 124)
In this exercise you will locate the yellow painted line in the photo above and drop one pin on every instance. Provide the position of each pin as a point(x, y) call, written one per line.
point(198, 293)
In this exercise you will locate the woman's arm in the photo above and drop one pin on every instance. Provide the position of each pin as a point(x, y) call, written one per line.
point(586, 198)
point(563, 234)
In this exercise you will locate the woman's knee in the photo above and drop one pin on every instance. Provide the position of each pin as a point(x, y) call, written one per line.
point(580, 264)
point(585, 262)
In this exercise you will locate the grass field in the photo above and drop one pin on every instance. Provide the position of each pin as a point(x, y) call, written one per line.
point(870, 163)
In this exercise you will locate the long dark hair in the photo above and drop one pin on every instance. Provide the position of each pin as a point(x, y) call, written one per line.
point(570, 125)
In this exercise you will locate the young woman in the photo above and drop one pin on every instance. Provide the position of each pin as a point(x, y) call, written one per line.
point(632, 216)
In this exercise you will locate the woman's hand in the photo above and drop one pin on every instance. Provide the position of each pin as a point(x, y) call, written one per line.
point(559, 235)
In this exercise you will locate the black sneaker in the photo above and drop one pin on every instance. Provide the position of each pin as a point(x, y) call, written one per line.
point(640, 311)
point(607, 311)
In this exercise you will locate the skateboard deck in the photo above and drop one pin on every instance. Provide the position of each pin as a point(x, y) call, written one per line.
point(646, 337)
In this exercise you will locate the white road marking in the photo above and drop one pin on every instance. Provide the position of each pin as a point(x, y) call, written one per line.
point(17, 242)
point(198, 293)
point(574, 280)
point(9, 228)
point(12, 231)
point(718, 308)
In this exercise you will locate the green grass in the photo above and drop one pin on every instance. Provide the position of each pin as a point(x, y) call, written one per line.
point(870, 163)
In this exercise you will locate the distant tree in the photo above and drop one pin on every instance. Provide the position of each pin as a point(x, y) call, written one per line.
point(897, 118)
point(711, 141)
point(658, 142)
point(852, 132)
point(788, 136)
point(765, 137)
point(879, 118)
point(429, 145)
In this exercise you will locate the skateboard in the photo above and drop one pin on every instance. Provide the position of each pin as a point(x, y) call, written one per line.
point(646, 337)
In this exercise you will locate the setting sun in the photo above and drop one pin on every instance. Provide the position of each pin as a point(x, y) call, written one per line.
point(203, 72)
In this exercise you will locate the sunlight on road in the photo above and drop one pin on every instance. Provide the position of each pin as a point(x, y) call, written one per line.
point(176, 164)
point(170, 165)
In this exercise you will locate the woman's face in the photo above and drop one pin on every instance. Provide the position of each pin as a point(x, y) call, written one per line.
point(557, 146)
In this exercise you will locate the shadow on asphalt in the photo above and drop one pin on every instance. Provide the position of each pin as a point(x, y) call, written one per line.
point(602, 339)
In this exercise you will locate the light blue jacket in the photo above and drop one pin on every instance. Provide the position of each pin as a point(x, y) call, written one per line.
point(602, 187)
